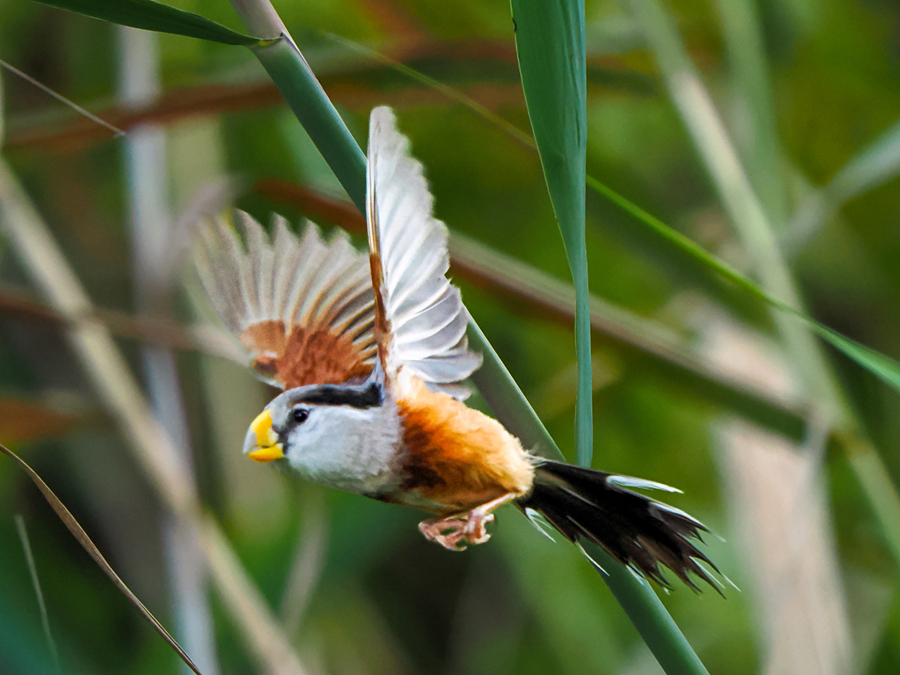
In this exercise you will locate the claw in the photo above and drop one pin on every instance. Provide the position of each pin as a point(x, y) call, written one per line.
point(458, 531)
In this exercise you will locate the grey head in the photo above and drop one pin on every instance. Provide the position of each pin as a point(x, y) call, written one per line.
point(343, 436)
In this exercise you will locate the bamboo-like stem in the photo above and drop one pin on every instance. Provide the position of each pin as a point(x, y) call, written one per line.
point(152, 226)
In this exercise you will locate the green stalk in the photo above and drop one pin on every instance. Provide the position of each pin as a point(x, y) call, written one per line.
point(757, 234)
point(312, 107)
point(743, 33)
point(507, 401)
point(668, 644)
point(297, 83)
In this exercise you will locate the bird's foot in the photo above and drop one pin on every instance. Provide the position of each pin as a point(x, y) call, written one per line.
point(457, 531)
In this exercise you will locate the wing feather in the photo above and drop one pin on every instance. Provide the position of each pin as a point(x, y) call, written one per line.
point(422, 344)
point(304, 307)
point(288, 258)
point(421, 319)
point(260, 266)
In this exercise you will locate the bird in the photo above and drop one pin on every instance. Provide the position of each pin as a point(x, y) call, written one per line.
point(372, 356)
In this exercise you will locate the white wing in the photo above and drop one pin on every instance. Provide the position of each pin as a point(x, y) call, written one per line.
point(423, 326)
point(303, 306)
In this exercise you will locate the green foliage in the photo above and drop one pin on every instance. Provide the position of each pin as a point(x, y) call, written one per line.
point(808, 95)
point(155, 16)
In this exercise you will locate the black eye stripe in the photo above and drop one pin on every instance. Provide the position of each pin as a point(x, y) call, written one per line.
point(355, 397)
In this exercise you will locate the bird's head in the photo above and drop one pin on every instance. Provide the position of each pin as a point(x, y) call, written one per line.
point(337, 435)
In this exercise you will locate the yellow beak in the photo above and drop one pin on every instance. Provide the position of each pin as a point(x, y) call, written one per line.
point(261, 444)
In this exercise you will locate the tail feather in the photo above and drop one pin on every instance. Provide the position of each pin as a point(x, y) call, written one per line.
point(637, 531)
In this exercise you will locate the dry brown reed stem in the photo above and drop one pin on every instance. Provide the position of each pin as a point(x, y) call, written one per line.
point(204, 338)
point(72, 133)
point(153, 447)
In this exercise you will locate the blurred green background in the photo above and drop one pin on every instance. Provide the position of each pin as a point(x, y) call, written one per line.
point(810, 93)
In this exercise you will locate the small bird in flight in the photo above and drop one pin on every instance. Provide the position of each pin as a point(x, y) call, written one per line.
point(372, 355)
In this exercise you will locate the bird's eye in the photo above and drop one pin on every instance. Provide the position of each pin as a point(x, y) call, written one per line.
point(299, 415)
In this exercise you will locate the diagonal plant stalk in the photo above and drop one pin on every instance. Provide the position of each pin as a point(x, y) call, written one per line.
point(151, 226)
point(743, 36)
point(292, 75)
point(153, 447)
point(874, 165)
point(758, 236)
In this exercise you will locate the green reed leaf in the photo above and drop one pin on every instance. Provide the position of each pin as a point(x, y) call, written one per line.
point(550, 46)
point(155, 16)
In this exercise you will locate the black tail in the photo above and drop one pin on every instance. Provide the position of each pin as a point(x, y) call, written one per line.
point(636, 530)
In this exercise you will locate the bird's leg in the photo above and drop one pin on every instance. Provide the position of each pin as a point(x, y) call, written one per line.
point(456, 531)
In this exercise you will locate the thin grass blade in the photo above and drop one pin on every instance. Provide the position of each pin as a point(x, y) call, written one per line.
point(59, 97)
point(759, 144)
point(35, 581)
point(82, 537)
point(876, 363)
point(876, 164)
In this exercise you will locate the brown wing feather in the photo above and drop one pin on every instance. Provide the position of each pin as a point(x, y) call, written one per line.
point(305, 356)
point(303, 308)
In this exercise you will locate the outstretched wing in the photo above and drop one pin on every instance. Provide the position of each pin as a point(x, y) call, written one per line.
point(421, 321)
point(303, 307)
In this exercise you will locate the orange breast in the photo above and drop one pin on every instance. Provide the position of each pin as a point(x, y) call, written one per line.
point(457, 458)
